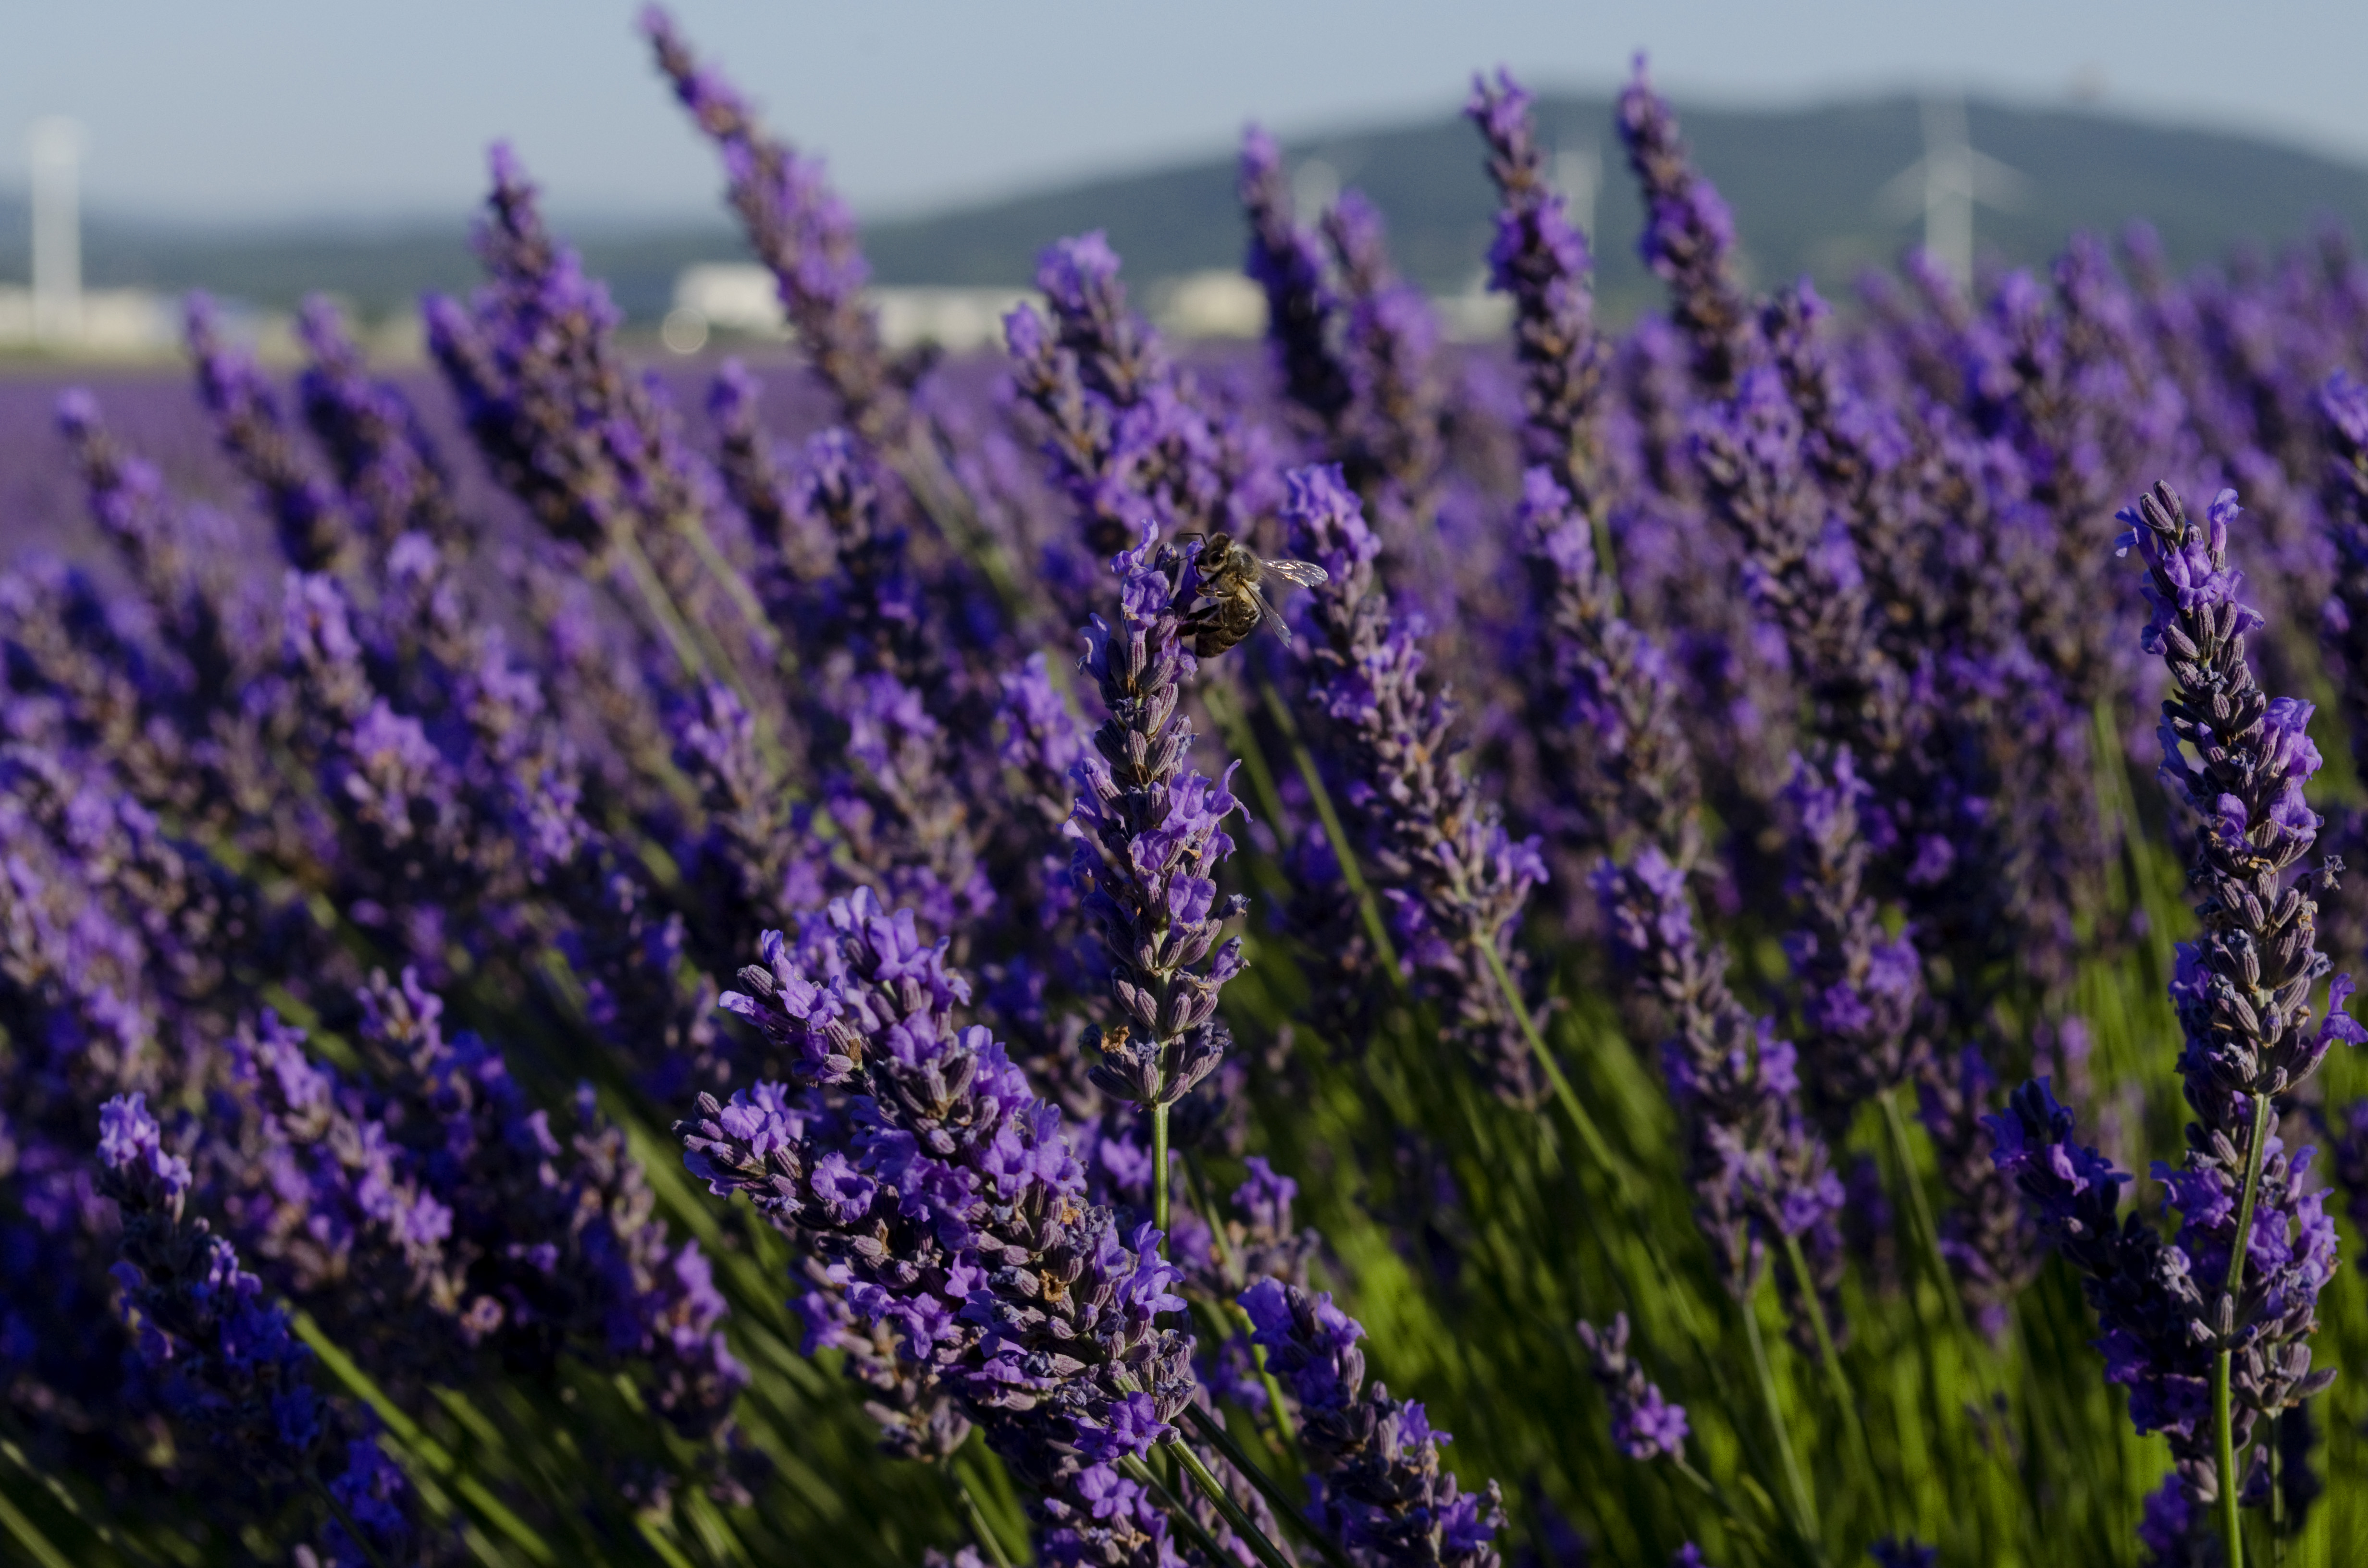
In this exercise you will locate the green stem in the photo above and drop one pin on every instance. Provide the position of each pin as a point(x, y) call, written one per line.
point(1265, 1551)
point(2277, 1494)
point(2224, 1421)
point(1927, 1244)
point(1607, 564)
point(1350, 872)
point(660, 604)
point(1732, 1515)
point(920, 462)
point(1209, 1426)
point(1159, 1172)
point(2224, 1443)
point(1590, 1135)
point(1919, 1212)
point(1141, 1473)
point(735, 586)
point(1282, 1423)
point(59, 1494)
point(407, 1436)
point(656, 1539)
point(29, 1534)
point(1623, 1191)
point(1805, 1508)
point(1828, 1358)
point(1198, 1189)
point(986, 1537)
point(1978, 1357)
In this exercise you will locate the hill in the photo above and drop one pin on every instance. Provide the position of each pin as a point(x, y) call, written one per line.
point(1804, 184)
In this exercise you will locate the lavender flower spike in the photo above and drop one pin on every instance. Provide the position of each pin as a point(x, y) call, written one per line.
point(1860, 989)
point(951, 1211)
point(1760, 1173)
point(1689, 240)
point(314, 530)
point(227, 1363)
point(385, 461)
point(1604, 697)
point(1457, 880)
point(1378, 1486)
point(1643, 1424)
point(1150, 839)
point(1284, 260)
point(1393, 445)
point(2141, 1287)
point(2243, 988)
point(803, 234)
point(1541, 259)
point(2344, 621)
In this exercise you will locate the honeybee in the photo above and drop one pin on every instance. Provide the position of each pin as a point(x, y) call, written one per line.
point(1230, 579)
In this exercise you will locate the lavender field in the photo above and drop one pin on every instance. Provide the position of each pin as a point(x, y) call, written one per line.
point(1076, 957)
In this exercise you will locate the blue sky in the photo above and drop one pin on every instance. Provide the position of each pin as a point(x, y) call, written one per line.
point(257, 108)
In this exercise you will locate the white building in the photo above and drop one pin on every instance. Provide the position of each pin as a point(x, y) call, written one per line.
point(105, 324)
point(740, 298)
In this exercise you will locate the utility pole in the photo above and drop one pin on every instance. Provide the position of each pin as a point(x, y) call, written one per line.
point(53, 148)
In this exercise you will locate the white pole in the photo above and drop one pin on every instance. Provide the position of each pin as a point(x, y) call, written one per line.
point(53, 147)
point(1949, 187)
point(1579, 175)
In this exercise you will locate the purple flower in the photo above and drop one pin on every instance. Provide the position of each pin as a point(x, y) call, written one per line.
point(1689, 239)
point(594, 449)
point(1388, 441)
point(1127, 435)
point(2145, 1291)
point(2242, 989)
point(316, 533)
point(1542, 260)
point(1800, 565)
point(802, 231)
point(1286, 261)
point(226, 1362)
point(939, 1198)
point(131, 1145)
point(1643, 1424)
point(387, 467)
point(1130, 1429)
point(1758, 1171)
point(1454, 877)
point(1859, 989)
point(1148, 832)
point(1987, 1237)
point(1604, 696)
point(1380, 1491)
point(2169, 1525)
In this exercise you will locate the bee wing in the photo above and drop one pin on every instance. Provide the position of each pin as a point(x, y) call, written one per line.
point(1267, 614)
point(1306, 574)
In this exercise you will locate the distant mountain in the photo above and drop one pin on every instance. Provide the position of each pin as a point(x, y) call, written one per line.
point(1804, 184)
